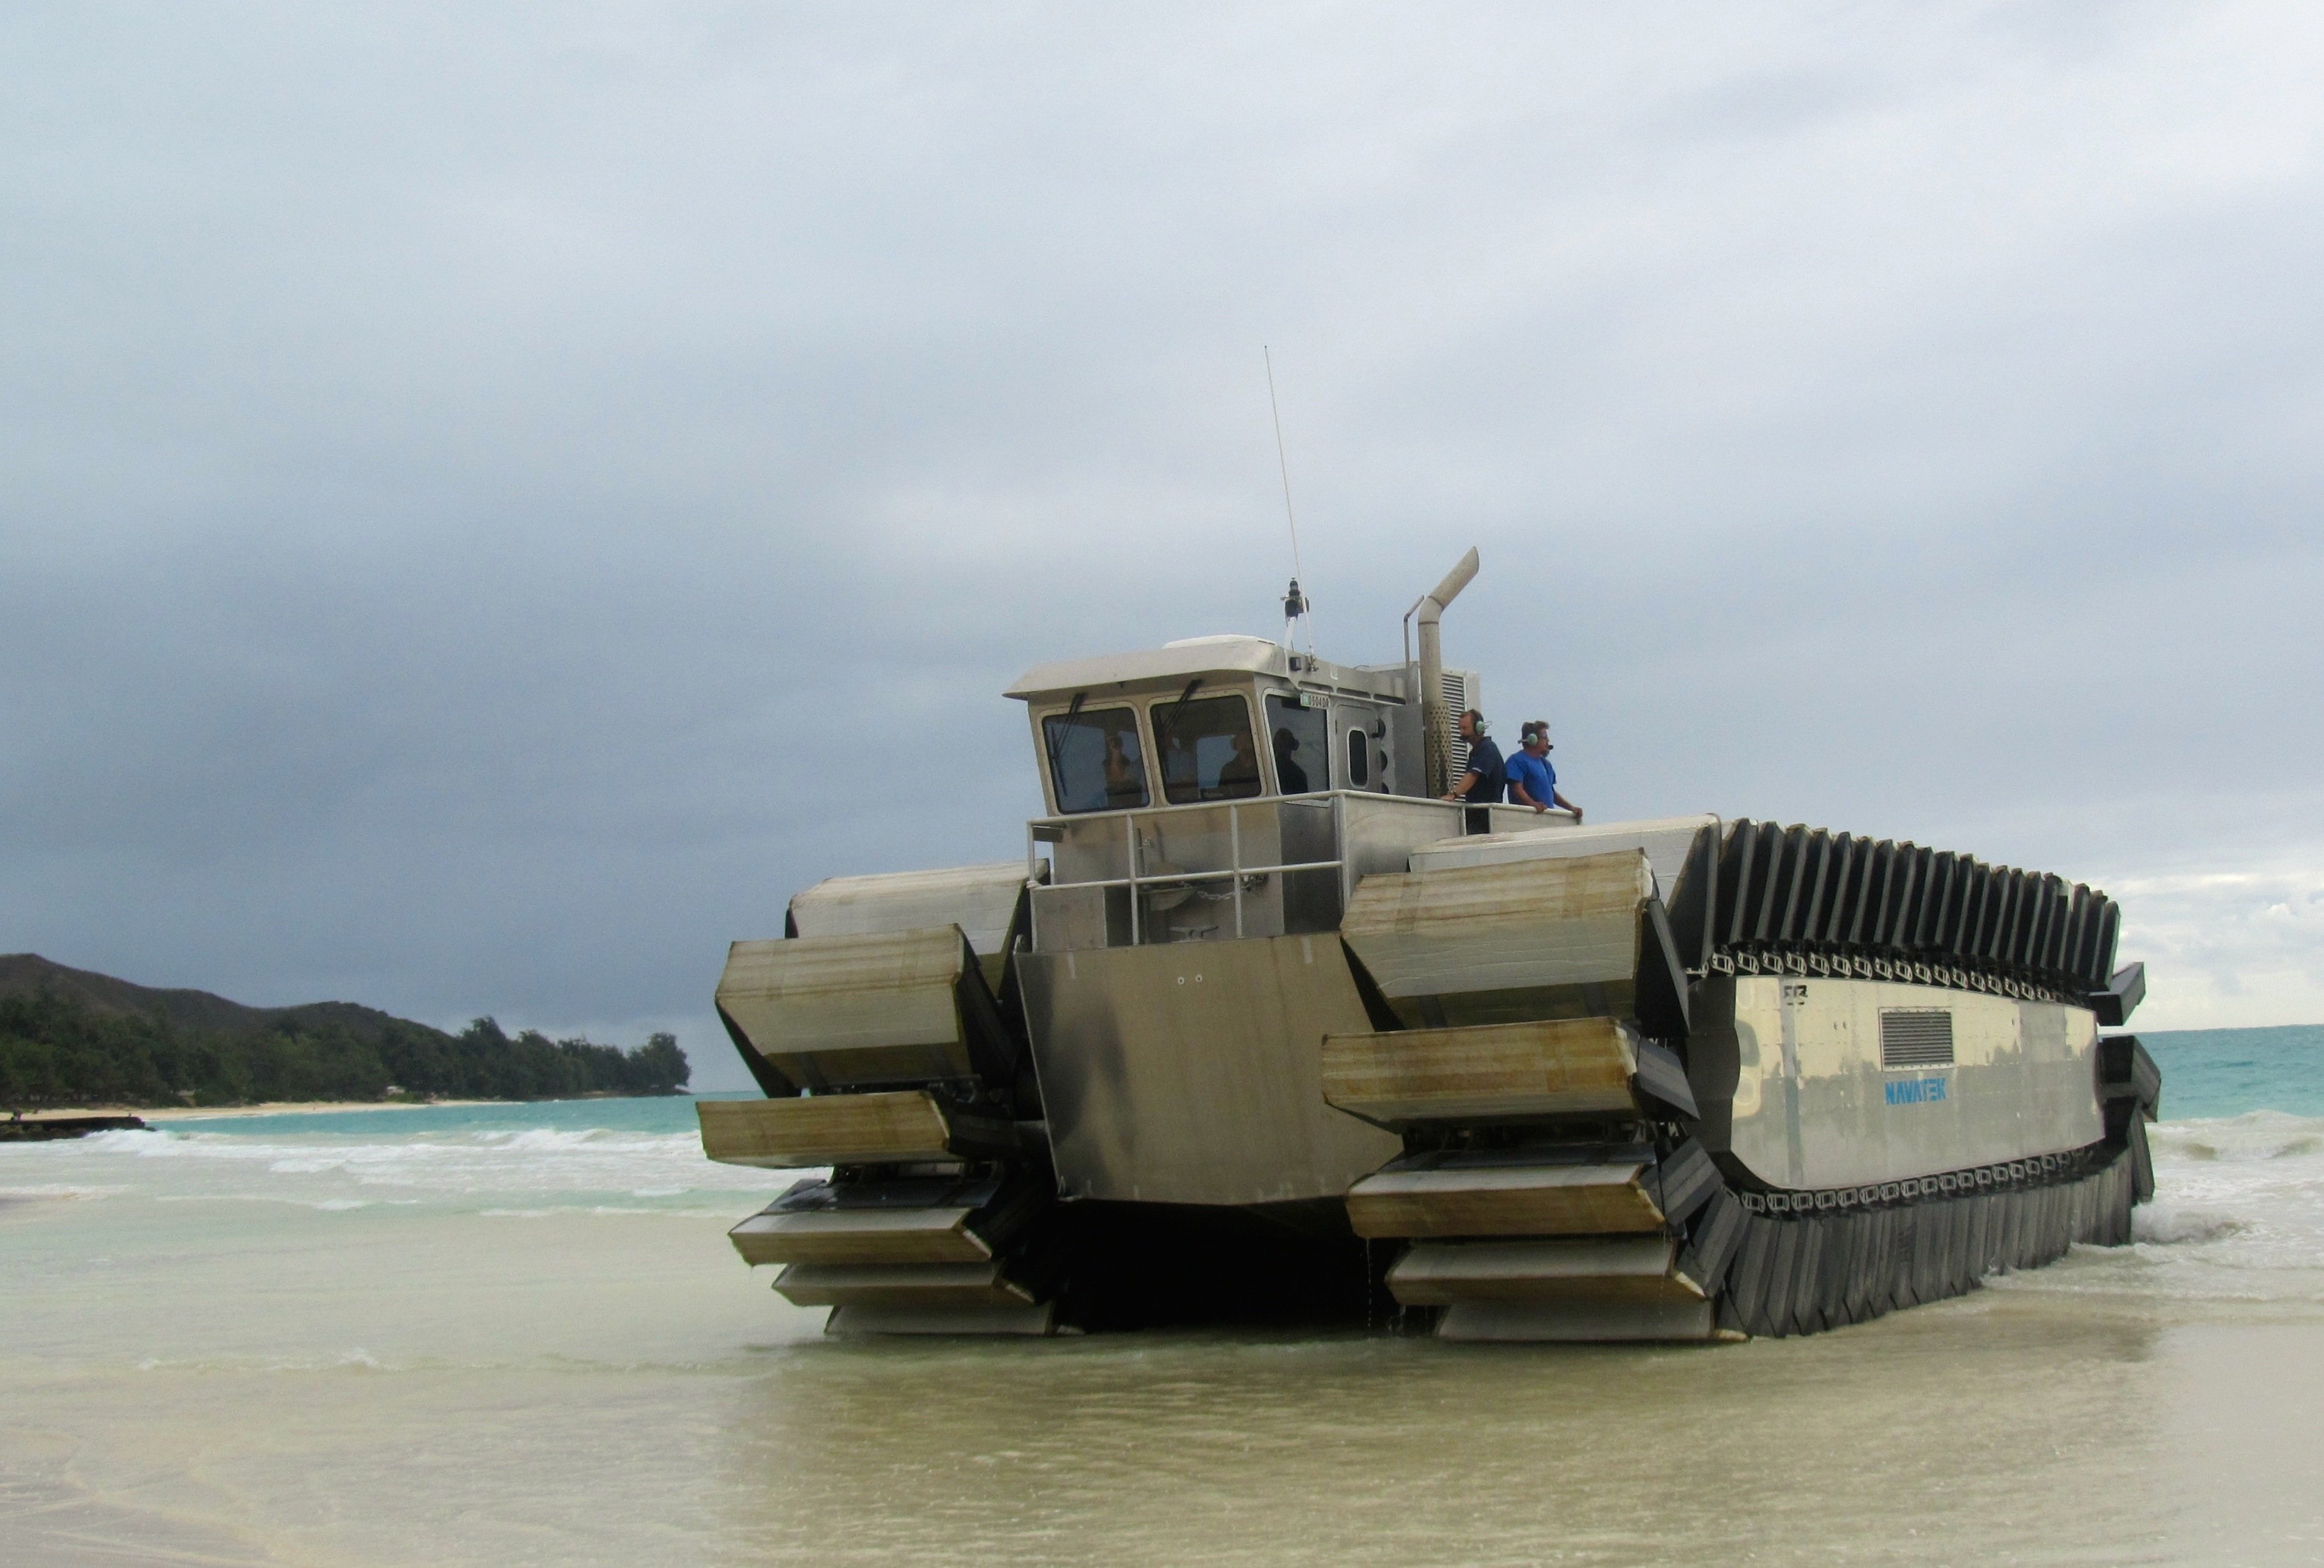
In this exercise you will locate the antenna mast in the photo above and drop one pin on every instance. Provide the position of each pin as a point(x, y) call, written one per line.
point(1295, 601)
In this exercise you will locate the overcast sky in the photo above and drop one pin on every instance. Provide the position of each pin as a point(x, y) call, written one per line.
point(494, 500)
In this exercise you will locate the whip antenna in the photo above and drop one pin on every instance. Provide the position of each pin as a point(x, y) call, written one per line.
point(1295, 601)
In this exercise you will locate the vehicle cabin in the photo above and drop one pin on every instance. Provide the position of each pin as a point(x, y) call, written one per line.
point(1223, 787)
point(1211, 719)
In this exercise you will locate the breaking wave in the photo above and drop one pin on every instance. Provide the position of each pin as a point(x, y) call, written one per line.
point(503, 1168)
point(2237, 1215)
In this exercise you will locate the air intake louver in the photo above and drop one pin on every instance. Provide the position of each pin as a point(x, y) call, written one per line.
point(1916, 1037)
point(1455, 686)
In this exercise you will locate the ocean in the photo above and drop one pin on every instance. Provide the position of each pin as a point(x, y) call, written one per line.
point(516, 1334)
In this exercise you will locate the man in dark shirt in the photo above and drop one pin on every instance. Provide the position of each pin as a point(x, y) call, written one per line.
point(1486, 781)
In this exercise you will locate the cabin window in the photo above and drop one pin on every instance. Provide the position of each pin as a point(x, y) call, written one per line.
point(1095, 760)
point(1302, 743)
point(1206, 749)
point(1359, 760)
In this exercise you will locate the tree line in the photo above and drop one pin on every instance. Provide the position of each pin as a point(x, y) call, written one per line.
point(59, 1050)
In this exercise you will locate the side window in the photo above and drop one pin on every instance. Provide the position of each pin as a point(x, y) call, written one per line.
point(1095, 760)
point(1206, 749)
point(1359, 760)
point(1302, 743)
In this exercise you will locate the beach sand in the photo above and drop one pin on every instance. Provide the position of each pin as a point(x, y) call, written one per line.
point(296, 1108)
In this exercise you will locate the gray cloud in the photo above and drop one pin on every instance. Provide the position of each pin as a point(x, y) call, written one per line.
point(495, 501)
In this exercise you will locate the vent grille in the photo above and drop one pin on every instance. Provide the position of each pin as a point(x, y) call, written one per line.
point(1916, 1037)
point(1456, 702)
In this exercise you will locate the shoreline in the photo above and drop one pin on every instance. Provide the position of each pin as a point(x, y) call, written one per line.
point(300, 1108)
point(153, 1114)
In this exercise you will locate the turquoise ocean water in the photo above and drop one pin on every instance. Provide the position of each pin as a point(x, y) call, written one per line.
point(2214, 1073)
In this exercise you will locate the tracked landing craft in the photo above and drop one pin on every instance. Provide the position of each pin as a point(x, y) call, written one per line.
point(1261, 1030)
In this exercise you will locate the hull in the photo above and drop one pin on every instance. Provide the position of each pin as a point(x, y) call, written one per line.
point(1188, 1074)
point(1334, 1060)
point(1831, 1083)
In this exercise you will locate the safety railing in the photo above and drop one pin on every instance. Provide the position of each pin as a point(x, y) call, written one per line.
point(1271, 865)
point(1145, 854)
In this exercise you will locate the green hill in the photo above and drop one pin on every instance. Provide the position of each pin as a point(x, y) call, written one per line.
point(69, 1037)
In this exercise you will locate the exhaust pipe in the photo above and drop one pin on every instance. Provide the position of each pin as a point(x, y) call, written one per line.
point(1436, 724)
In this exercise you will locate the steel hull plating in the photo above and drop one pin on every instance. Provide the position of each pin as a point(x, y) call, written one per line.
point(1188, 1074)
point(1789, 1074)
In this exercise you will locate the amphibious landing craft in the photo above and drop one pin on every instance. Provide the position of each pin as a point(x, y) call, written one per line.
point(1260, 1030)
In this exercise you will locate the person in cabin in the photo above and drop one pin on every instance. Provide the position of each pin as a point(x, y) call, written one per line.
point(1125, 780)
point(1288, 772)
point(1487, 777)
point(1531, 780)
point(1238, 774)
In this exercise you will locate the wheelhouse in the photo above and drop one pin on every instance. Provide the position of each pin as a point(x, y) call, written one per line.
point(1221, 787)
point(1208, 720)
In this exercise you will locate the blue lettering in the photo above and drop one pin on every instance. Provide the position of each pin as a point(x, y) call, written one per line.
point(1912, 1090)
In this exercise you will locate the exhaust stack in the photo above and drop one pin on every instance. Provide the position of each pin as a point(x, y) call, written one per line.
point(1437, 725)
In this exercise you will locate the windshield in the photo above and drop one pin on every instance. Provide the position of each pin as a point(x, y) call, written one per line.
point(1207, 753)
point(1303, 747)
point(1095, 761)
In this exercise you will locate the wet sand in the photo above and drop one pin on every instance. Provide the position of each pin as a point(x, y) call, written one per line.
point(578, 1390)
point(1943, 1437)
point(366, 1350)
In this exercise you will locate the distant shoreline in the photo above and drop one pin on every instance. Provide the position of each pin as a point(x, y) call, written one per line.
point(154, 1113)
point(301, 1108)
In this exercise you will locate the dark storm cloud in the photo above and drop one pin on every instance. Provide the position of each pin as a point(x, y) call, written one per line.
point(495, 501)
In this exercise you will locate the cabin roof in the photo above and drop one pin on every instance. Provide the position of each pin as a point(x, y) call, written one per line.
point(1180, 661)
point(1177, 662)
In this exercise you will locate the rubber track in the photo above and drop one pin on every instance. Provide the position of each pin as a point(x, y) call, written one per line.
point(1803, 900)
point(1810, 1269)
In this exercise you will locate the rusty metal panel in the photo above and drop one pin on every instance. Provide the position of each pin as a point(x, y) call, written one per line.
point(860, 1009)
point(1526, 925)
point(1563, 1067)
point(1615, 1269)
point(980, 899)
point(938, 1235)
point(1531, 1200)
point(968, 1285)
point(1191, 1073)
point(827, 1130)
point(1666, 841)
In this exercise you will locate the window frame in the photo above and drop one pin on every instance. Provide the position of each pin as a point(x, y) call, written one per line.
point(1292, 696)
point(1252, 699)
point(1054, 787)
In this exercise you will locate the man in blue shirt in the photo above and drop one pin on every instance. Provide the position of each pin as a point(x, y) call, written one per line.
point(1531, 780)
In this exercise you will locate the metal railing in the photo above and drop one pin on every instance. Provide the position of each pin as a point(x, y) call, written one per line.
point(1090, 833)
point(1235, 873)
